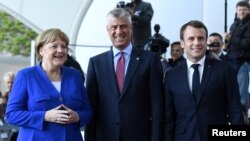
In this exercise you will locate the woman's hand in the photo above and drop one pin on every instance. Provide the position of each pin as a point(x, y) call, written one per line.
point(62, 115)
point(57, 115)
point(73, 116)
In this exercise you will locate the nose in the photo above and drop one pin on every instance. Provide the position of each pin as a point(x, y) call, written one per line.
point(60, 48)
point(118, 30)
point(196, 41)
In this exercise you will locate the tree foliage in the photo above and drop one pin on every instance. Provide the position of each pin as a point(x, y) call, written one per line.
point(15, 37)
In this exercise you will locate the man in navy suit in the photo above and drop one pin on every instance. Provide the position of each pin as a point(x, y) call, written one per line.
point(134, 113)
point(217, 100)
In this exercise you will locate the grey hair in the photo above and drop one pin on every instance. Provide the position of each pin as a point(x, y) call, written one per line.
point(9, 74)
point(120, 12)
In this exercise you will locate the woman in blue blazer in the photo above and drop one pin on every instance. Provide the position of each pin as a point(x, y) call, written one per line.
point(48, 101)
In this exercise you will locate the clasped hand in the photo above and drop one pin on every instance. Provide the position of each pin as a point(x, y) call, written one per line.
point(62, 115)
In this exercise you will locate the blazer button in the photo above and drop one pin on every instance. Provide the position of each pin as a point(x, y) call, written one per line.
point(60, 99)
point(117, 123)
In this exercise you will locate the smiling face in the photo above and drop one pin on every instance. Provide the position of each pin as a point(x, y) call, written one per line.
point(194, 43)
point(54, 54)
point(212, 39)
point(120, 31)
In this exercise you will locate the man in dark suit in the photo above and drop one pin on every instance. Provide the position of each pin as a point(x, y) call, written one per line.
point(134, 112)
point(215, 44)
point(217, 101)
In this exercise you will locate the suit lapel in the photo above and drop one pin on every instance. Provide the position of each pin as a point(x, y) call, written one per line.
point(183, 75)
point(111, 71)
point(205, 78)
point(135, 60)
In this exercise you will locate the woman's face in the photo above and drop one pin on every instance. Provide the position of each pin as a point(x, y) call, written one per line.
point(54, 53)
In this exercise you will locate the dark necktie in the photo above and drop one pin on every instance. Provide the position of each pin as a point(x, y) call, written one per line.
point(120, 71)
point(196, 81)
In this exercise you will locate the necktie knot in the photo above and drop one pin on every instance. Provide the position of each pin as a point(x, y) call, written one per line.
point(195, 66)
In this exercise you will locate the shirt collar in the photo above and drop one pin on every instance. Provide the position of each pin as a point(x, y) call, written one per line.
point(126, 50)
point(201, 62)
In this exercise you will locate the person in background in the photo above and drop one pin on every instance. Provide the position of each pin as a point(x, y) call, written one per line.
point(49, 101)
point(238, 40)
point(190, 106)
point(125, 88)
point(142, 14)
point(238, 45)
point(176, 53)
point(215, 45)
point(8, 79)
point(71, 62)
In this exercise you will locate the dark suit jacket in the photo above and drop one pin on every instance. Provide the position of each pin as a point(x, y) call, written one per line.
point(136, 115)
point(218, 101)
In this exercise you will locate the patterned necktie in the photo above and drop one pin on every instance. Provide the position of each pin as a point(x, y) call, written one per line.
point(120, 71)
point(196, 81)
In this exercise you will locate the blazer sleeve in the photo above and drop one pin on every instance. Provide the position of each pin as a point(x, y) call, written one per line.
point(17, 112)
point(85, 112)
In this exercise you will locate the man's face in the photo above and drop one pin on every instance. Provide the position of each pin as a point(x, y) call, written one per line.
point(194, 43)
point(217, 39)
point(120, 31)
point(176, 51)
point(242, 12)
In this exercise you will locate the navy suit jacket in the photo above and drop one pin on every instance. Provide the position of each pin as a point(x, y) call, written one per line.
point(218, 101)
point(137, 114)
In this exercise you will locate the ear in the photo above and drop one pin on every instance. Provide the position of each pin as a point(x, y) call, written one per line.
point(182, 44)
point(41, 51)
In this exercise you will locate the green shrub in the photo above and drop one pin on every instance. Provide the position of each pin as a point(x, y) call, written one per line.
point(15, 37)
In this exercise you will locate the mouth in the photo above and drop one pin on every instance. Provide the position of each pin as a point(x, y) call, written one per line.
point(119, 38)
point(59, 56)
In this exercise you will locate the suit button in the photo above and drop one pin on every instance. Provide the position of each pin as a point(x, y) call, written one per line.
point(117, 123)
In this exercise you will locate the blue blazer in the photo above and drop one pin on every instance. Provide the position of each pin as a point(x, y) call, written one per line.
point(137, 114)
point(33, 94)
point(218, 101)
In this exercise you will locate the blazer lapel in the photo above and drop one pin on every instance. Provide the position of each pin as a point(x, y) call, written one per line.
point(134, 62)
point(205, 78)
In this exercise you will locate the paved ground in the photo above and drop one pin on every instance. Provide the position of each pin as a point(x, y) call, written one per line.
point(13, 63)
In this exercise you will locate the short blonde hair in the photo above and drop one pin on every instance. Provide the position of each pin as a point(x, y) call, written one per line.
point(48, 36)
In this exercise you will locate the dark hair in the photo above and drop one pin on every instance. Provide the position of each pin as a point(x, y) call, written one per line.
point(216, 34)
point(175, 43)
point(243, 4)
point(193, 23)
